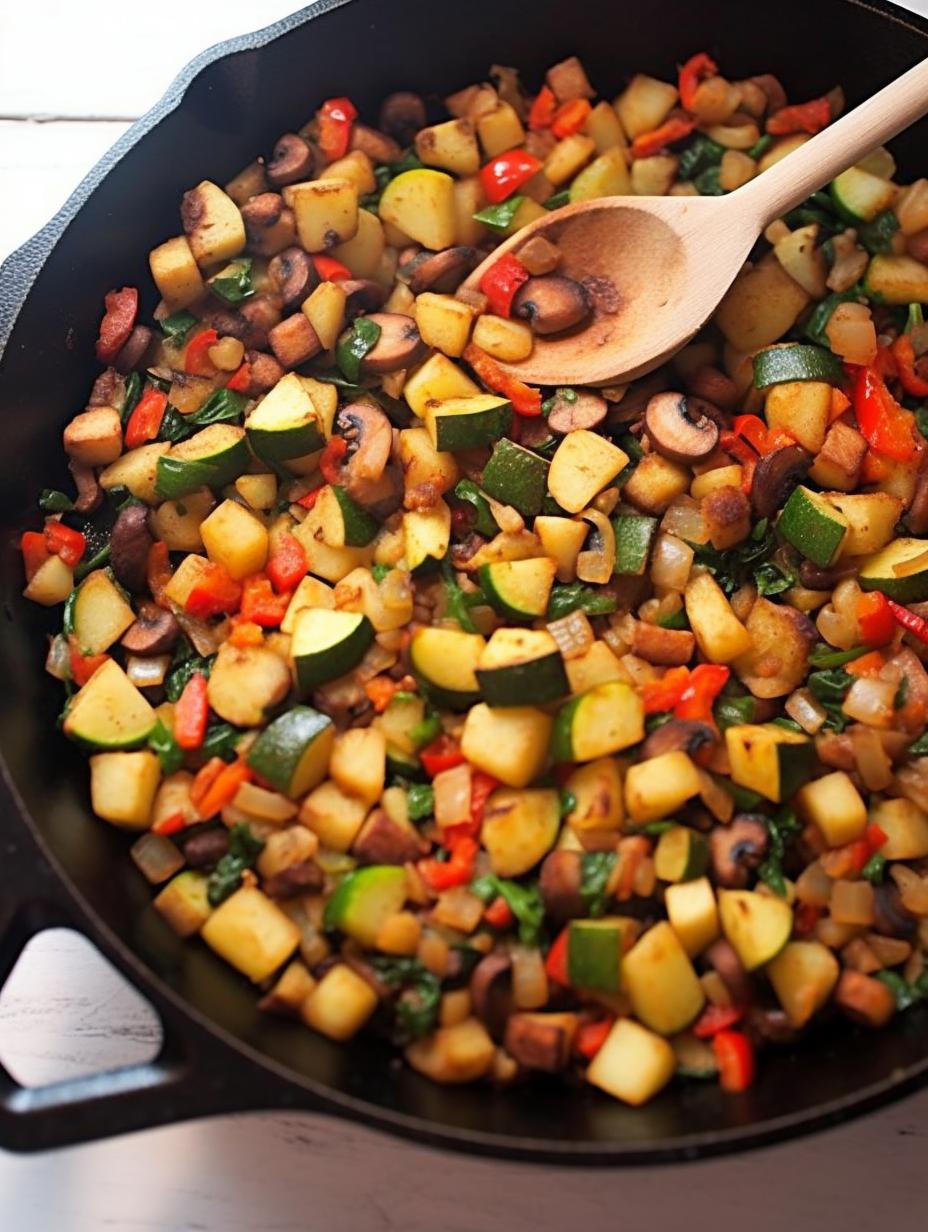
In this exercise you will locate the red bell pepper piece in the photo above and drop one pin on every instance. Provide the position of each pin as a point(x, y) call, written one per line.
point(806, 917)
point(456, 871)
point(122, 307)
point(83, 666)
point(741, 450)
point(482, 786)
point(570, 117)
point(556, 962)
point(442, 754)
point(882, 421)
point(695, 70)
point(506, 173)
point(542, 110)
point(591, 1036)
point(196, 358)
point(67, 544)
point(216, 593)
point(809, 117)
point(501, 282)
point(867, 665)
point(525, 399)
point(336, 119)
point(715, 1018)
point(674, 129)
point(191, 713)
point(158, 571)
point(224, 788)
point(35, 552)
point(310, 498)
point(287, 566)
point(913, 624)
point(380, 692)
point(665, 694)
point(173, 824)
point(753, 429)
point(205, 777)
point(245, 633)
point(498, 914)
point(145, 421)
point(704, 685)
point(328, 269)
point(240, 379)
point(734, 1053)
point(330, 460)
point(259, 603)
point(876, 836)
point(904, 355)
point(875, 618)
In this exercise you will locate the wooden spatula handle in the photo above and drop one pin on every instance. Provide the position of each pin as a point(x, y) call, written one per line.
point(839, 146)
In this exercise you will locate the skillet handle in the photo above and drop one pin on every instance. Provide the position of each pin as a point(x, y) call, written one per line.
point(196, 1072)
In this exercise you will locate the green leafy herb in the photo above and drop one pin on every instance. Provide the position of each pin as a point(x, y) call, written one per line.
point(821, 314)
point(233, 284)
point(88, 564)
point(525, 903)
point(558, 199)
point(877, 236)
point(830, 686)
point(485, 523)
point(425, 731)
point(222, 406)
point(574, 596)
point(699, 155)
point(782, 720)
point(567, 801)
point(595, 870)
point(177, 326)
point(416, 1008)
point(674, 620)
point(732, 711)
point(921, 420)
point(221, 740)
point(361, 339)
point(824, 655)
point(53, 501)
point(185, 663)
point(499, 217)
point(420, 801)
point(226, 877)
point(132, 395)
point(920, 747)
point(915, 317)
point(875, 869)
point(655, 828)
point(773, 578)
point(173, 426)
point(379, 572)
point(781, 829)
point(760, 146)
point(707, 183)
point(906, 994)
point(170, 754)
point(751, 561)
point(818, 209)
point(458, 602)
point(562, 394)
point(901, 695)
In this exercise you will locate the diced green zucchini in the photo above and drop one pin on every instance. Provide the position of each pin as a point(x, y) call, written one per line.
point(285, 423)
point(681, 854)
point(664, 989)
point(605, 719)
point(293, 751)
point(812, 524)
point(516, 476)
point(365, 899)
point(444, 661)
point(427, 536)
point(212, 458)
point(344, 523)
point(101, 614)
point(796, 361)
point(860, 196)
point(758, 926)
point(519, 588)
point(878, 572)
point(594, 954)
point(897, 279)
point(109, 712)
point(769, 759)
point(521, 667)
point(633, 536)
point(466, 423)
point(327, 644)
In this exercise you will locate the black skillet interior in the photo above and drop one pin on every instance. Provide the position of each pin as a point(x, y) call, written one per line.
point(233, 109)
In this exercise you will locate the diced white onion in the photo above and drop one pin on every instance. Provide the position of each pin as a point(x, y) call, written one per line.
point(573, 634)
point(873, 764)
point(145, 671)
point(529, 981)
point(808, 713)
point(671, 563)
point(870, 701)
point(452, 795)
point(685, 520)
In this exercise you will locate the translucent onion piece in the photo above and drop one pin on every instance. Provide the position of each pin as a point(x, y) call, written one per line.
point(264, 805)
point(873, 764)
point(58, 660)
point(870, 701)
point(146, 671)
point(911, 781)
point(529, 981)
point(452, 796)
point(804, 599)
point(852, 334)
point(508, 519)
point(845, 596)
point(716, 799)
point(671, 563)
point(912, 889)
point(808, 713)
point(813, 885)
point(685, 520)
point(573, 634)
point(457, 908)
point(156, 857)
point(837, 628)
point(396, 590)
point(597, 564)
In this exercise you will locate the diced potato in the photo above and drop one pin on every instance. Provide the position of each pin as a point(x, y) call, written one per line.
point(94, 437)
point(606, 176)
point(251, 932)
point(801, 408)
point(176, 273)
point(803, 261)
point(840, 459)
point(527, 212)
point(359, 763)
point(663, 987)
point(656, 788)
point(604, 127)
point(183, 902)
point(583, 464)
point(444, 322)
point(333, 815)
point(510, 743)
point(561, 539)
point(499, 130)
point(422, 204)
point(568, 156)
point(51, 583)
point(467, 200)
point(597, 791)
point(655, 483)
point(652, 177)
point(123, 786)
point(235, 538)
point(693, 913)
point(173, 796)
point(101, 614)
point(452, 146)
point(736, 168)
point(719, 633)
point(834, 805)
point(598, 666)
point(633, 1064)
point(644, 104)
point(310, 593)
point(718, 477)
point(188, 574)
point(780, 149)
point(778, 659)
point(291, 990)
point(422, 463)
point(362, 253)
point(519, 829)
point(803, 975)
point(340, 1004)
point(461, 1053)
point(178, 522)
point(435, 380)
point(325, 308)
point(324, 397)
point(356, 167)
point(213, 224)
point(760, 306)
point(246, 681)
point(136, 470)
point(504, 339)
point(258, 491)
point(249, 182)
point(329, 563)
point(326, 212)
point(871, 519)
point(906, 828)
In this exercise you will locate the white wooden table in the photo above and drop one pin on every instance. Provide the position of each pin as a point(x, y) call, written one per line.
point(65, 1012)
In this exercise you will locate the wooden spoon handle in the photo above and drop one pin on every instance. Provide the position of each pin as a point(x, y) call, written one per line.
point(839, 146)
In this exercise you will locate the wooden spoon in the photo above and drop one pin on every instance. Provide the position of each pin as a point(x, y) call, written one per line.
point(665, 262)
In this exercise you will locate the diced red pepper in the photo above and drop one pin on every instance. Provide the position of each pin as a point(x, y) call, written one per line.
point(672, 130)
point(525, 399)
point(64, 542)
point(380, 692)
point(245, 633)
point(458, 870)
point(310, 498)
point(704, 685)
point(695, 70)
point(158, 571)
point(35, 552)
point(666, 693)
point(196, 358)
point(904, 355)
point(715, 1018)
point(205, 777)
point(498, 914)
point(542, 110)
point(556, 962)
point(482, 786)
point(83, 666)
point(876, 836)
point(748, 458)
point(224, 788)
point(216, 593)
point(442, 754)
point(191, 713)
point(118, 322)
point(331, 458)
point(913, 624)
point(806, 917)
point(145, 421)
point(809, 117)
point(875, 618)
point(734, 1053)
point(753, 429)
point(336, 118)
point(570, 117)
point(506, 173)
point(846, 860)
point(172, 824)
point(501, 282)
point(884, 424)
point(240, 380)
point(867, 665)
point(260, 604)
point(591, 1036)
point(328, 269)
point(287, 566)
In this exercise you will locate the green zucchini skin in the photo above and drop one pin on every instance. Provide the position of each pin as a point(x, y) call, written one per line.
point(797, 362)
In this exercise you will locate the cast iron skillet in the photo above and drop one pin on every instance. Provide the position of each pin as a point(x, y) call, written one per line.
point(59, 866)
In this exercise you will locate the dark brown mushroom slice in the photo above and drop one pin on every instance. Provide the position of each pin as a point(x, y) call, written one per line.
point(441, 271)
point(770, 1025)
point(399, 345)
point(376, 145)
point(362, 296)
point(381, 840)
point(89, 492)
point(538, 1041)
point(130, 541)
point(491, 992)
point(775, 477)
point(680, 428)
point(723, 959)
point(816, 578)
point(268, 223)
point(916, 516)
point(156, 631)
point(264, 371)
point(639, 394)
point(370, 439)
point(679, 735)
point(206, 848)
point(715, 386)
point(294, 273)
point(257, 317)
point(106, 389)
point(552, 303)
point(890, 916)
point(585, 409)
point(291, 161)
point(304, 877)
point(559, 882)
point(402, 115)
point(133, 349)
point(736, 850)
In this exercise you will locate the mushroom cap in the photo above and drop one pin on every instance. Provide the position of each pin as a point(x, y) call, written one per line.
point(775, 476)
point(400, 344)
point(680, 427)
point(552, 303)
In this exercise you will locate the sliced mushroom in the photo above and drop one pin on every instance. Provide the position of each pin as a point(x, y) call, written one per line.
point(679, 735)
point(441, 271)
point(771, 1025)
point(552, 303)
point(106, 389)
point(402, 115)
point(399, 344)
point(294, 340)
point(491, 992)
point(539, 1041)
point(559, 883)
point(722, 957)
point(585, 410)
point(378, 147)
point(260, 314)
point(265, 372)
point(737, 850)
point(304, 877)
point(294, 274)
point(916, 517)
point(130, 540)
point(775, 477)
point(207, 847)
point(156, 631)
point(292, 160)
point(362, 295)
point(713, 385)
point(680, 428)
point(370, 439)
point(890, 916)
point(133, 349)
point(816, 578)
point(89, 492)
point(269, 224)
